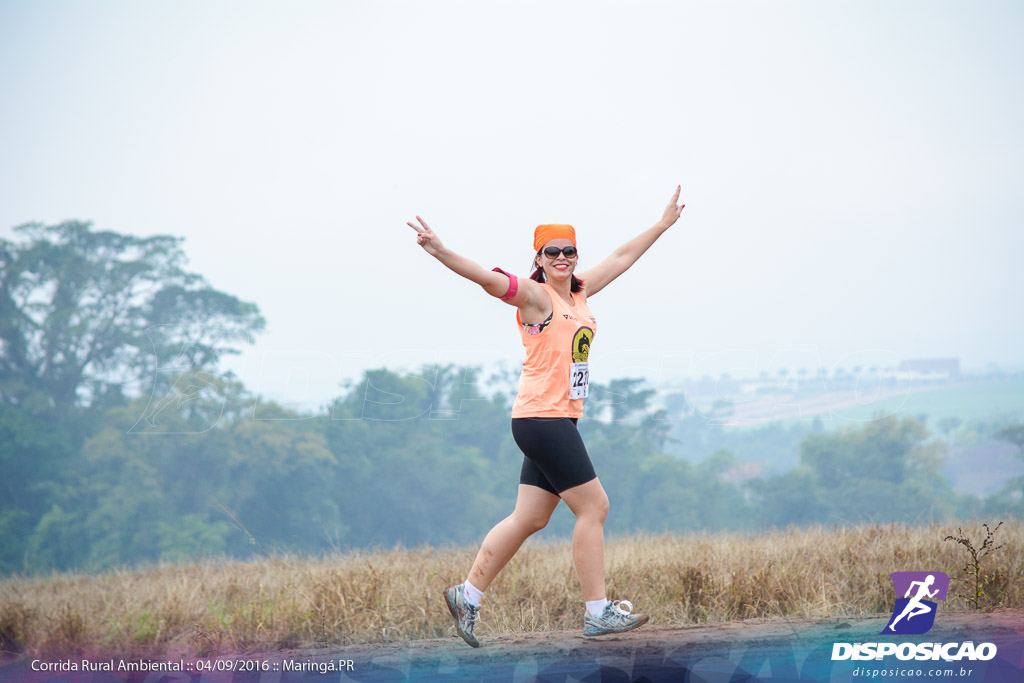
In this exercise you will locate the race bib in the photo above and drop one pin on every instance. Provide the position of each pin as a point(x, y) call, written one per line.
point(579, 370)
point(579, 379)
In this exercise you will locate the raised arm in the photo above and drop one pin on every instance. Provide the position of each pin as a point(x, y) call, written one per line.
point(598, 277)
point(494, 283)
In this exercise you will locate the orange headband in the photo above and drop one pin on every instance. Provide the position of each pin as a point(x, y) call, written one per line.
point(552, 231)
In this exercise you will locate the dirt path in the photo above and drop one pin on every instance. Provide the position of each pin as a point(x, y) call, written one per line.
point(777, 649)
point(664, 652)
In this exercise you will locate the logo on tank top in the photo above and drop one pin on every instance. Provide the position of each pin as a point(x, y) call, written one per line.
point(581, 344)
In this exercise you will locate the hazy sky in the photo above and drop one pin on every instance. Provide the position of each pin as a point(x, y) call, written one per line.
point(852, 171)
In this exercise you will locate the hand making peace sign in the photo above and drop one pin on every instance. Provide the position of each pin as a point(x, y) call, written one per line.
point(426, 237)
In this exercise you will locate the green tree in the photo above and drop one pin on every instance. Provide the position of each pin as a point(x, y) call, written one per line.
point(83, 312)
point(406, 443)
point(791, 498)
point(649, 488)
point(34, 459)
point(1013, 433)
point(245, 484)
point(887, 470)
point(83, 315)
point(1009, 500)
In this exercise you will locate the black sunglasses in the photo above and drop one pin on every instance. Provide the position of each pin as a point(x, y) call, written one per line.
point(553, 252)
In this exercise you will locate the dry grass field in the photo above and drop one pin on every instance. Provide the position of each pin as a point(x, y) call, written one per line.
point(395, 595)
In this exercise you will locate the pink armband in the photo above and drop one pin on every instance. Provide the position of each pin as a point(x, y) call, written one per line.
point(513, 284)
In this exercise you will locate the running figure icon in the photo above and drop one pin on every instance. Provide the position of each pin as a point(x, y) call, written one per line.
point(915, 607)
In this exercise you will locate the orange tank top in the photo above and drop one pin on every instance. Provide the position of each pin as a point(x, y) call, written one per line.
point(555, 374)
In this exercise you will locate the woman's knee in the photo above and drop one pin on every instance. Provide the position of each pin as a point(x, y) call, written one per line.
point(592, 505)
point(530, 522)
point(599, 508)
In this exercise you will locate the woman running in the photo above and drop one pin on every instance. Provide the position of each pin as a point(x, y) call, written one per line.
point(557, 329)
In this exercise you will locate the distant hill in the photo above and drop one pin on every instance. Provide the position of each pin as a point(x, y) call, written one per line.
point(969, 400)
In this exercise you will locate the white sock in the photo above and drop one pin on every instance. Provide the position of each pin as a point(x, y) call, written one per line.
point(473, 594)
point(596, 607)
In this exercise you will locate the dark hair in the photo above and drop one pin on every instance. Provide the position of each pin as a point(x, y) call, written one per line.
point(538, 276)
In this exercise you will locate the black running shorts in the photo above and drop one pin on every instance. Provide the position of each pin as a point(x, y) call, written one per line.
point(555, 457)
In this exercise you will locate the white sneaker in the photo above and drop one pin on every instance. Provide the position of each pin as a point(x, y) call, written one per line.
point(465, 614)
point(616, 618)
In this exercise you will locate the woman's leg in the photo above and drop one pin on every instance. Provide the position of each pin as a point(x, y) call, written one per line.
point(589, 503)
point(533, 509)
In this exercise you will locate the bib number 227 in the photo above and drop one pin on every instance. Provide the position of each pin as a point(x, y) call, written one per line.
point(579, 380)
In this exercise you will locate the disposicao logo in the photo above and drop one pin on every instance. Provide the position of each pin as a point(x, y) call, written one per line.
point(914, 613)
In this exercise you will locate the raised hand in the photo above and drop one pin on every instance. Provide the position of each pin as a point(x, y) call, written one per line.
point(672, 211)
point(426, 237)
